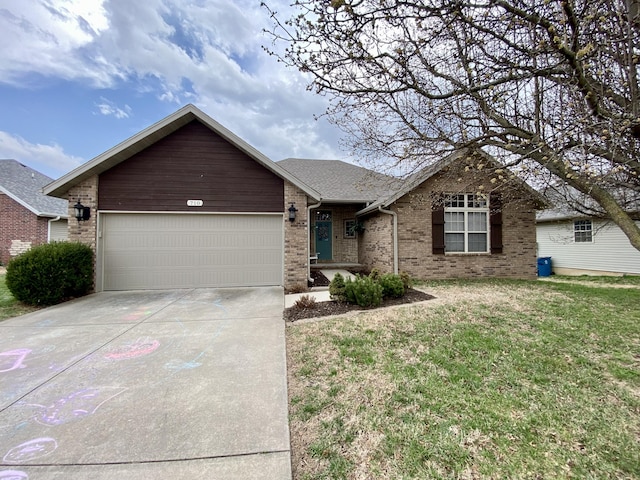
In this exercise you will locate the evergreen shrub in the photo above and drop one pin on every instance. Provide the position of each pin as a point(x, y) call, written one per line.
point(51, 273)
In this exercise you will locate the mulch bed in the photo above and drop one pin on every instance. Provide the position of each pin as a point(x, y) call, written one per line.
point(323, 309)
point(319, 280)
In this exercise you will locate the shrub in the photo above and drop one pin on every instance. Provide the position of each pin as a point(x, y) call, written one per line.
point(305, 302)
point(336, 288)
point(374, 275)
point(51, 273)
point(407, 281)
point(297, 288)
point(392, 285)
point(363, 291)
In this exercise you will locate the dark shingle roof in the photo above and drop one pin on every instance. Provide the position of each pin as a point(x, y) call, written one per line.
point(24, 185)
point(339, 181)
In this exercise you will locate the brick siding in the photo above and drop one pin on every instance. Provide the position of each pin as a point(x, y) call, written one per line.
point(85, 231)
point(518, 259)
point(296, 234)
point(375, 243)
point(20, 229)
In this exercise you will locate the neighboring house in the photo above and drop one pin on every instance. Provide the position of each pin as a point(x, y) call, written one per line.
point(582, 245)
point(186, 203)
point(27, 216)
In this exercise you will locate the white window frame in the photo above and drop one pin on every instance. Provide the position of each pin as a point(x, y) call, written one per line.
point(582, 232)
point(350, 228)
point(465, 203)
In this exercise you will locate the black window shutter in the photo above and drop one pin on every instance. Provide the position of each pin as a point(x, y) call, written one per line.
point(495, 219)
point(437, 225)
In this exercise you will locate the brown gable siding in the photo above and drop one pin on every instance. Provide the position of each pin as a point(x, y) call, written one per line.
point(193, 163)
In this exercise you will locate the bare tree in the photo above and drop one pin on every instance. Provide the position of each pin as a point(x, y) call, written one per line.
point(549, 87)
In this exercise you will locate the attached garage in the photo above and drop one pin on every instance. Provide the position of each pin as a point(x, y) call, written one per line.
point(166, 250)
point(188, 204)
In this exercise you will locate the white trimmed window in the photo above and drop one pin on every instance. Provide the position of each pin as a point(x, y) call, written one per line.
point(466, 223)
point(582, 231)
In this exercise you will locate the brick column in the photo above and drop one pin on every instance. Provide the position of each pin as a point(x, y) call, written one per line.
point(85, 231)
point(296, 239)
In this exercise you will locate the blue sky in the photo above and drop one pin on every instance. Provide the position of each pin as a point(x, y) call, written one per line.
point(77, 77)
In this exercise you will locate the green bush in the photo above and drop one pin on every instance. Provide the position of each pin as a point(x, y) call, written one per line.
point(375, 275)
point(336, 287)
point(51, 273)
point(363, 291)
point(392, 285)
point(407, 281)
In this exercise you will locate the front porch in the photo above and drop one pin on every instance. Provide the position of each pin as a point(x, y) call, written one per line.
point(329, 265)
point(333, 238)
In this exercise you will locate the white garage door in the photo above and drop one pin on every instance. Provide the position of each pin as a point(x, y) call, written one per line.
point(158, 251)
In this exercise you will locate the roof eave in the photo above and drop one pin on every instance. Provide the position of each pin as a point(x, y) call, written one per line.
point(32, 209)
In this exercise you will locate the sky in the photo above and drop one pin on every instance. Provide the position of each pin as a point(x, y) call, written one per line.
point(77, 77)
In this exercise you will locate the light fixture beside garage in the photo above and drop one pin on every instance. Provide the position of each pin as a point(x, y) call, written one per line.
point(292, 212)
point(82, 213)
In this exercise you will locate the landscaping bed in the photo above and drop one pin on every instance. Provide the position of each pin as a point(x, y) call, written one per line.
point(323, 309)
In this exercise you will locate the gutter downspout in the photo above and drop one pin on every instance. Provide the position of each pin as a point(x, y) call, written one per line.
point(309, 208)
point(49, 222)
point(395, 236)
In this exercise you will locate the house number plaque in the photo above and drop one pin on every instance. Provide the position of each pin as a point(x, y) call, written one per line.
point(194, 203)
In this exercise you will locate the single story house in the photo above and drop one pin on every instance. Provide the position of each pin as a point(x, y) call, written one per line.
point(27, 216)
point(186, 203)
point(584, 245)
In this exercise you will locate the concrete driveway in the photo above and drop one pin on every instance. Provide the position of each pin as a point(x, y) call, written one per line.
point(181, 384)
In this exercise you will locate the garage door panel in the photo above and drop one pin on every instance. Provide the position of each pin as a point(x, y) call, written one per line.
point(157, 251)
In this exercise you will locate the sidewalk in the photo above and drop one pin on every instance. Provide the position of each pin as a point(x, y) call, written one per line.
point(321, 294)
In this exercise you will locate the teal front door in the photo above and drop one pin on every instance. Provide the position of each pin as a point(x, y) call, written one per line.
point(323, 240)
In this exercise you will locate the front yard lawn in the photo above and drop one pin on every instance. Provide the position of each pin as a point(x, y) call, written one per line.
point(9, 306)
point(492, 379)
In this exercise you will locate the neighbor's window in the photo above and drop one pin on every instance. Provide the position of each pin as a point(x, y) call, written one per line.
point(349, 229)
point(466, 223)
point(582, 231)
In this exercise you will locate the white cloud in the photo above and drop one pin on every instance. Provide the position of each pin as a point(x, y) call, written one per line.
point(50, 38)
point(204, 52)
point(48, 159)
point(107, 107)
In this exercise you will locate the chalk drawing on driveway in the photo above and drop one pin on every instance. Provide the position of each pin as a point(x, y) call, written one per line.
point(140, 347)
point(76, 405)
point(12, 359)
point(36, 448)
point(13, 475)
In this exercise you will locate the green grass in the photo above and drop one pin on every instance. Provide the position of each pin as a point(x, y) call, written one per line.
point(608, 280)
point(9, 306)
point(520, 380)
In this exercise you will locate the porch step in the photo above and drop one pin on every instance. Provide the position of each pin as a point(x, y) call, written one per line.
point(336, 265)
point(331, 272)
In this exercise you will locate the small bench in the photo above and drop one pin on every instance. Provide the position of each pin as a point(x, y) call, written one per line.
point(313, 258)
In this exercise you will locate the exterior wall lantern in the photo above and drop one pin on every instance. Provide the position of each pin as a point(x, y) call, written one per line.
point(292, 212)
point(82, 213)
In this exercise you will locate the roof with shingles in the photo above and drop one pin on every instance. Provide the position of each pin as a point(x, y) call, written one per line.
point(339, 181)
point(24, 185)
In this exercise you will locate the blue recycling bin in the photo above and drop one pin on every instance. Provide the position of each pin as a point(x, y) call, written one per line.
point(544, 266)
